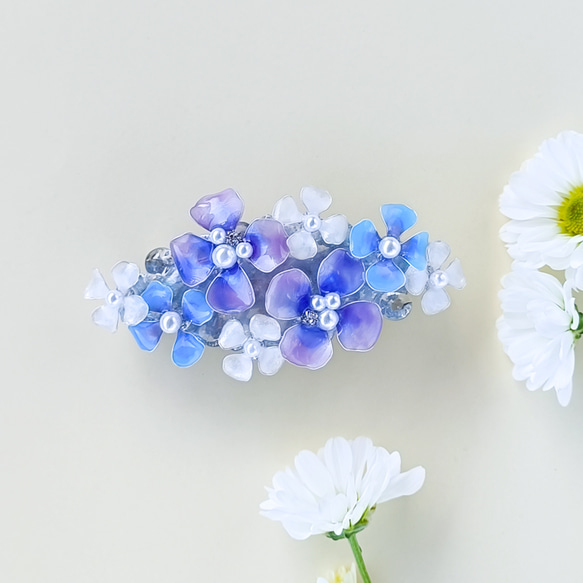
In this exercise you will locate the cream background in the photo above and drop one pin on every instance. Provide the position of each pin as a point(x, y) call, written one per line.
point(116, 117)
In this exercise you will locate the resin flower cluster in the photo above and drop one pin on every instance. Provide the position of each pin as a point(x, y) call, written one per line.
point(280, 288)
point(540, 322)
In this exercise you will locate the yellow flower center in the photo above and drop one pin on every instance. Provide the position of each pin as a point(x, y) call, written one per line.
point(571, 212)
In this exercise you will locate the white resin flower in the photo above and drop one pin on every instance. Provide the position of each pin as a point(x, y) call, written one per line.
point(335, 490)
point(301, 244)
point(538, 330)
point(233, 336)
point(431, 281)
point(118, 301)
point(341, 575)
point(544, 201)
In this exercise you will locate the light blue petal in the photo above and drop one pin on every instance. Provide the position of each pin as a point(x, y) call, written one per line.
point(364, 239)
point(195, 308)
point(147, 334)
point(187, 350)
point(398, 218)
point(385, 276)
point(414, 250)
point(158, 297)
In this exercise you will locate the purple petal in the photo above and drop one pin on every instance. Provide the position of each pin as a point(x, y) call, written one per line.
point(158, 297)
point(288, 294)
point(385, 276)
point(193, 257)
point(147, 334)
point(306, 346)
point(269, 241)
point(359, 325)
point(340, 273)
point(223, 209)
point(398, 218)
point(230, 292)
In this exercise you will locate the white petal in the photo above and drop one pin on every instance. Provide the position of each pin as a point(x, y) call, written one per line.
point(404, 484)
point(270, 360)
point(416, 279)
point(302, 245)
point(106, 316)
point(97, 288)
point(238, 366)
point(264, 327)
point(286, 211)
point(434, 300)
point(337, 455)
point(455, 275)
point(437, 253)
point(315, 199)
point(314, 474)
point(232, 335)
point(125, 275)
point(334, 229)
point(135, 309)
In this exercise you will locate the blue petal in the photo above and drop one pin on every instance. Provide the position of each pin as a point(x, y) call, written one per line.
point(385, 276)
point(230, 292)
point(398, 218)
point(223, 209)
point(364, 239)
point(187, 350)
point(414, 250)
point(195, 308)
point(306, 346)
point(288, 294)
point(193, 257)
point(146, 334)
point(341, 273)
point(158, 297)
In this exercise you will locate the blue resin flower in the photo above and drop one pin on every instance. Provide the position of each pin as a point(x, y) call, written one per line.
point(309, 342)
point(188, 347)
point(263, 243)
point(387, 273)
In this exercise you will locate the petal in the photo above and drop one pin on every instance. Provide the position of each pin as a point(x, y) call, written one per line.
point(232, 335)
point(195, 308)
point(223, 209)
point(125, 275)
point(97, 288)
point(359, 325)
point(263, 327)
point(334, 229)
point(314, 474)
point(414, 251)
point(238, 367)
point(437, 253)
point(158, 296)
point(135, 309)
point(306, 346)
point(301, 245)
point(416, 280)
point(315, 199)
point(286, 210)
point(231, 292)
point(455, 275)
point(193, 257)
point(288, 294)
point(270, 360)
point(187, 349)
point(147, 334)
point(404, 484)
point(337, 456)
point(398, 218)
point(340, 273)
point(364, 239)
point(106, 317)
point(269, 241)
point(385, 276)
point(434, 300)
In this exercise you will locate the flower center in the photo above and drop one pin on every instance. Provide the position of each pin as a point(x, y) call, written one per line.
point(224, 256)
point(170, 322)
point(571, 212)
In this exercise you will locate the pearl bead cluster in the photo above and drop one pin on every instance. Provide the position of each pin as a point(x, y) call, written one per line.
point(228, 248)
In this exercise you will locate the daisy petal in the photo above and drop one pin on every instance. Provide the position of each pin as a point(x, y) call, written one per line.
point(125, 275)
point(404, 484)
point(97, 288)
point(434, 300)
point(301, 245)
point(135, 309)
point(263, 327)
point(106, 317)
point(334, 229)
point(286, 211)
point(232, 335)
point(315, 199)
point(238, 367)
point(270, 360)
point(437, 253)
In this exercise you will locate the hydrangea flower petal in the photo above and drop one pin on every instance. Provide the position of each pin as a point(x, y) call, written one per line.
point(125, 275)
point(398, 218)
point(414, 250)
point(385, 276)
point(263, 327)
point(193, 257)
point(434, 300)
point(223, 209)
point(269, 241)
point(187, 349)
point(416, 280)
point(306, 346)
point(301, 245)
point(147, 334)
point(195, 308)
point(315, 199)
point(455, 275)
point(158, 296)
point(135, 309)
point(364, 239)
point(238, 367)
point(230, 292)
point(288, 294)
point(359, 325)
point(106, 316)
point(270, 360)
point(286, 211)
point(97, 289)
point(340, 273)
point(232, 335)
point(437, 254)
point(334, 229)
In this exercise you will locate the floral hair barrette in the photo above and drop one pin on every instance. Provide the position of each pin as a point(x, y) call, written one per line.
point(279, 288)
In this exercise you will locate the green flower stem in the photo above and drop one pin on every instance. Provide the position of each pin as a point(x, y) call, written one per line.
point(357, 552)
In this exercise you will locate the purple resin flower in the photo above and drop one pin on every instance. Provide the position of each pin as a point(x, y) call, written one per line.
point(309, 342)
point(263, 243)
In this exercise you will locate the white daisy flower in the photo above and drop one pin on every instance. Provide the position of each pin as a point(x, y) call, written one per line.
point(544, 201)
point(341, 575)
point(538, 330)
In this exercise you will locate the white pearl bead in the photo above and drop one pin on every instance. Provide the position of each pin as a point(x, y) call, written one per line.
point(389, 247)
point(244, 250)
point(218, 236)
point(438, 279)
point(332, 301)
point(312, 223)
point(114, 298)
point(252, 348)
point(224, 256)
point(328, 320)
point(317, 303)
point(170, 322)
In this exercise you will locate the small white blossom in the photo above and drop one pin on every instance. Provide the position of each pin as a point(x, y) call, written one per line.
point(341, 575)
